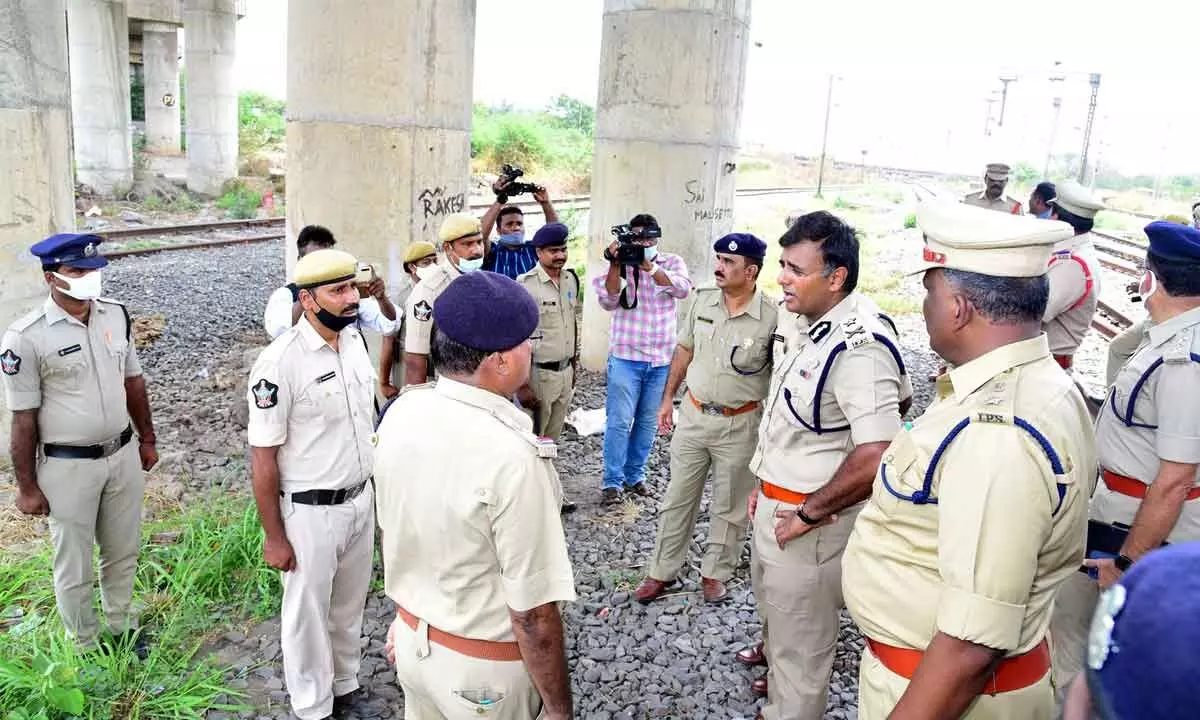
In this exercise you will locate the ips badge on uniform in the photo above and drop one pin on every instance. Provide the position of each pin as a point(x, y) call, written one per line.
point(266, 394)
point(10, 362)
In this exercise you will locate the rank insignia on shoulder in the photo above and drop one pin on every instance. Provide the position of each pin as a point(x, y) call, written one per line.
point(546, 448)
point(422, 311)
point(10, 362)
point(266, 394)
point(856, 335)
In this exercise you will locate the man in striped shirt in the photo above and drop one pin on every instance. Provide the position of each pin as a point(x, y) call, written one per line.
point(642, 337)
point(511, 254)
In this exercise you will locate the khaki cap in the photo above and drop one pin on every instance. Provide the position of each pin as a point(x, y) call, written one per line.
point(998, 171)
point(964, 237)
point(1076, 199)
point(458, 226)
point(418, 251)
point(324, 267)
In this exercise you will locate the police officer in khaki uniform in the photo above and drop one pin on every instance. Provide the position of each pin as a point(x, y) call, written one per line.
point(555, 288)
point(835, 400)
point(1147, 435)
point(992, 196)
point(311, 395)
point(474, 553)
point(73, 383)
point(725, 352)
point(462, 252)
point(978, 509)
point(1074, 273)
point(420, 260)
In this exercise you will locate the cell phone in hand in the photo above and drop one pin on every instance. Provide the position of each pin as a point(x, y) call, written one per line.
point(365, 274)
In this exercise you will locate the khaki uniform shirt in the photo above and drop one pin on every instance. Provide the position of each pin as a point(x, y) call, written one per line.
point(73, 374)
point(982, 559)
point(731, 356)
point(1003, 203)
point(557, 334)
point(1164, 416)
point(317, 405)
point(857, 401)
point(1074, 293)
point(418, 309)
point(469, 509)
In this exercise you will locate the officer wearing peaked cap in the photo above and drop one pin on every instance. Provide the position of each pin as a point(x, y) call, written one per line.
point(474, 553)
point(979, 509)
point(311, 397)
point(1147, 435)
point(992, 196)
point(724, 350)
point(1074, 273)
point(420, 260)
point(73, 383)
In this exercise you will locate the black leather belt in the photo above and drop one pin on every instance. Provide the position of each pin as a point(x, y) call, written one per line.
point(326, 497)
point(89, 452)
point(558, 365)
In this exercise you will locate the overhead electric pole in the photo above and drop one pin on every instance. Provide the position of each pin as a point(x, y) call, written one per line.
point(1006, 79)
point(1094, 78)
point(825, 135)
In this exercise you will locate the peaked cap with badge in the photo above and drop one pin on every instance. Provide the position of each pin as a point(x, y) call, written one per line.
point(1172, 241)
point(77, 250)
point(964, 237)
point(744, 244)
point(459, 226)
point(1076, 199)
point(324, 267)
point(418, 251)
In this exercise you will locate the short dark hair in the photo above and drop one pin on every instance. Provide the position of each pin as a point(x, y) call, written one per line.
point(51, 267)
point(1044, 191)
point(508, 210)
point(315, 235)
point(1180, 279)
point(836, 238)
point(451, 356)
point(1081, 224)
point(643, 220)
point(1003, 300)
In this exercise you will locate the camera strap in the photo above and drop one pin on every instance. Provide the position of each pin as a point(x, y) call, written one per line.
point(636, 283)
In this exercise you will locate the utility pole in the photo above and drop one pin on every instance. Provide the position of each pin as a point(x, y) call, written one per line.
point(1094, 79)
point(825, 135)
point(987, 119)
point(1006, 79)
point(862, 169)
point(1055, 86)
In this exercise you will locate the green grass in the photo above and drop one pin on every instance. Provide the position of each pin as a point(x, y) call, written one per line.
point(190, 590)
point(239, 200)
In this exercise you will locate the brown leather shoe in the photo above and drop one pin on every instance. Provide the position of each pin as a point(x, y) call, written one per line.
point(752, 656)
point(651, 589)
point(759, 686)
point(714, 590)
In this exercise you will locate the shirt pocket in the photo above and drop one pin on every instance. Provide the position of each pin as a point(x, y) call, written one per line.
point(64, 373)
point(800, 386)
point(550, 315)
point(703, 336)
point(322, 399)
point(749, 356)
point(118, 350)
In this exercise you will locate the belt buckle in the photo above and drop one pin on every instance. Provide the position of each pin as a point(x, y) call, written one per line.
point(710, 409)
point(108, 447)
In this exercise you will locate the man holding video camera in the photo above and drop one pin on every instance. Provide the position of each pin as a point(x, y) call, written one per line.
point(512, 254)
point(640, 289)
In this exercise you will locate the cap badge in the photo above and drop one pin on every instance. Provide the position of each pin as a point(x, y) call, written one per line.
point(733, 246)
point(934, 257)
point(89, 250)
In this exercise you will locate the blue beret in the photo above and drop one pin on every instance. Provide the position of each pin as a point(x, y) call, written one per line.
point(741, 244)
point(1141, 653)
point(486, 311)
point(72, 249)
point(550, 235)
point(1173, 241)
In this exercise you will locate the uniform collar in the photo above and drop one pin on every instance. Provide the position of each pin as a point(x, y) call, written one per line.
point(501, 407)
point(313, 340)
point(1164, 331)
point(54, 312)
point(451, 269)
point(753, 308)
point(820, 329)
point(968, 378)
point(545, 276)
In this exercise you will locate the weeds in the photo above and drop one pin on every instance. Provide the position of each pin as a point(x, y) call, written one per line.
point(239, 200)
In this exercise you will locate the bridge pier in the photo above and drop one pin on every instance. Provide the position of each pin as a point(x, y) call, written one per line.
point(99, 66)
point(210, 47)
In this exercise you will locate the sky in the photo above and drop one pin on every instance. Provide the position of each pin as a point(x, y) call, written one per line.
point(912, 78)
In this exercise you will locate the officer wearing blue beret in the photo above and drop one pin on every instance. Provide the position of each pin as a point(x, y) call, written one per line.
point(1147, 437)
point(724, 350)
point(474, 554)
point(72, 380)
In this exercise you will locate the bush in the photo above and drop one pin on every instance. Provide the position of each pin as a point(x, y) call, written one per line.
point(910, 221)
point(239, 200)
point(557, 141)
point(261, 124)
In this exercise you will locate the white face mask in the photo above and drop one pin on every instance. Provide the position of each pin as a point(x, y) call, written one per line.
point(651, 253)
point(426, 272)
point(86, 287)
point(470, 265)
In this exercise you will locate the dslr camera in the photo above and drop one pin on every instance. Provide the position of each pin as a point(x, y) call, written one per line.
point(514, 188)
point(629, 250)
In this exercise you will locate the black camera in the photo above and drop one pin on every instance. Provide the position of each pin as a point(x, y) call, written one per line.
point(514, 188)
point(629, 250)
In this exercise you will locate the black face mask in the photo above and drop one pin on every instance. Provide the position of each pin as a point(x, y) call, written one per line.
point(336, 323)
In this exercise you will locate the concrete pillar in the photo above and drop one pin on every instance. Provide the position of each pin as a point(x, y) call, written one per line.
point(667, 122)
point(160, 68)
point(98, 34)
point(378, 133)
point(35, 151)
point(210, 36)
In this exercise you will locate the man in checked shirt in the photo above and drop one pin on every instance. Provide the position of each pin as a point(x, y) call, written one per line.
point(642, 338)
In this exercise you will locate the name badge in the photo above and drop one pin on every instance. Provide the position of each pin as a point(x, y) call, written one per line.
point(69, 350)
point(327, 376)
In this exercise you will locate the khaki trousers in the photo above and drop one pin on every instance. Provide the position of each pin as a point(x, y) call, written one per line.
point(799, 593)
point(94, 502)
point(879, 689)
point(702, 443)
point(554, 388)
point(323, 599)
point(440, 684)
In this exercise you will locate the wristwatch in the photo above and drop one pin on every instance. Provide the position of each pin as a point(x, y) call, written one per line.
point(805, 518)
point(1123, 562)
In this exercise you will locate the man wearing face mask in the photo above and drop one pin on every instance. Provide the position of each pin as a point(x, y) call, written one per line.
point(311, 396)
point(1148, 437)
point(73, 383)
point(511, 254)
point(420, 261)
point(462, 252)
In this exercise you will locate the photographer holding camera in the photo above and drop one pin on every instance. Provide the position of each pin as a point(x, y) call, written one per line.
point(512, 254)
point(641, 289)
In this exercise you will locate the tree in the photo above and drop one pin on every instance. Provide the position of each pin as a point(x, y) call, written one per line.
point(571, 113)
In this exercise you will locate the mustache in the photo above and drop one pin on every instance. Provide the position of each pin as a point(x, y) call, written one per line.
point(351, 309)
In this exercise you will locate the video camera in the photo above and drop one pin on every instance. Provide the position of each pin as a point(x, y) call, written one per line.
point(514, 188)
point(629, 250)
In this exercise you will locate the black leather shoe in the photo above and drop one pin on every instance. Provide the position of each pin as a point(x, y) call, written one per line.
point(610, 496)
point(354, 705)
point(639, 489)
point(567, 508)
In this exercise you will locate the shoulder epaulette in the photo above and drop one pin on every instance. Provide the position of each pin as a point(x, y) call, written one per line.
point(28, 319)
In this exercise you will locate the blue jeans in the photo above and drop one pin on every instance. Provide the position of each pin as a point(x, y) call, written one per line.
point(635, 390)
